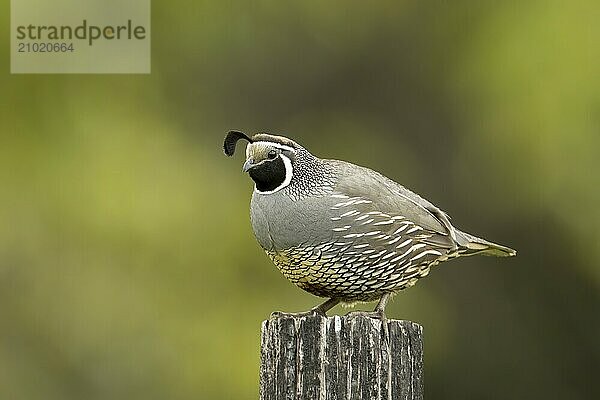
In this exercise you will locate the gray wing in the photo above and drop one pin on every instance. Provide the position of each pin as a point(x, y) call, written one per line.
point(391, 198)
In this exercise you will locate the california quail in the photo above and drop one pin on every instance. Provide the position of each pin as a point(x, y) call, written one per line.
point(341, 231)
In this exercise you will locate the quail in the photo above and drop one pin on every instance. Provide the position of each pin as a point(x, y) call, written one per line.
point(342, 231)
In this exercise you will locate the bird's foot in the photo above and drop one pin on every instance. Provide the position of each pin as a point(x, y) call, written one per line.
point(369, 314)
point(376, 314)
point(310, 313)
point(319, 310)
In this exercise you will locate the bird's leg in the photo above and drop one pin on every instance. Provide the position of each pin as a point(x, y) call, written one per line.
point(321, 310)
point(378, 312)
point(380, 308)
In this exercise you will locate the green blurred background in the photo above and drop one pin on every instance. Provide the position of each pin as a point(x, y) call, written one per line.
point(128, 269)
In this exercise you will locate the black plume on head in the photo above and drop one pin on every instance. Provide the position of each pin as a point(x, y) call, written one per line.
point(231, 140)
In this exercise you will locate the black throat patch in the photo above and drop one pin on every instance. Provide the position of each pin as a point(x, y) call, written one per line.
point(268, 175)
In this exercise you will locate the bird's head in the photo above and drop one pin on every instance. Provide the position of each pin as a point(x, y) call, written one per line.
point(270, 160)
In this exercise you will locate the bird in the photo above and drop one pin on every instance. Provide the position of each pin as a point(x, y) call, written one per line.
point(341, 231)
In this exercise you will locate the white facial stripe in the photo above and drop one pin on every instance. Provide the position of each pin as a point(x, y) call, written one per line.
point(266, 145)
point(276, 145)
point(289, 171)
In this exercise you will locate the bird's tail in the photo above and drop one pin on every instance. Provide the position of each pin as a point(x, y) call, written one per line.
point(474, 245)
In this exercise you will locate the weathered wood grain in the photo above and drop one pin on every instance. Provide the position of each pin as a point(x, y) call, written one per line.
point(340, 358)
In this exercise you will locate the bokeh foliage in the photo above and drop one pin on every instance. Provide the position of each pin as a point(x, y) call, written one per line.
point(127, 264)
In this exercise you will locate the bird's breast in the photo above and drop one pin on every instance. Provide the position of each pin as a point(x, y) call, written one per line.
point(279, 222)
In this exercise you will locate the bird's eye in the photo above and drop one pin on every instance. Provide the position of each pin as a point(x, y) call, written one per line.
point(272, 154)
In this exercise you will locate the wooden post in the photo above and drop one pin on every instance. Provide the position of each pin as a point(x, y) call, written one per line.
point(340, 357)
